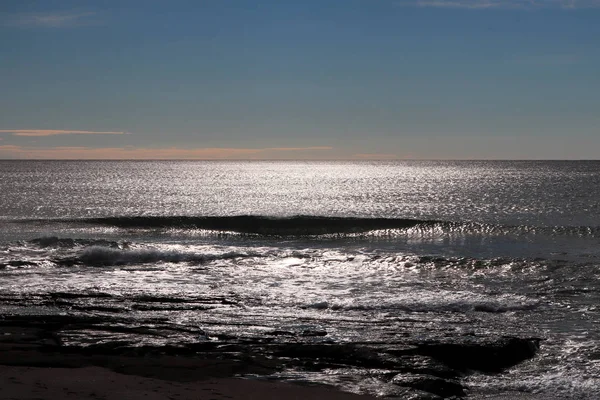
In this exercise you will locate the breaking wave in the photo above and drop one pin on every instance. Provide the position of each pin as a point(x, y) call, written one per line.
point(297, 225)
point(53, 241)
point(304, 225)
point(106, 256)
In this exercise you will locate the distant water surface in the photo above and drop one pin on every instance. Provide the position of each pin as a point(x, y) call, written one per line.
point(559, 193)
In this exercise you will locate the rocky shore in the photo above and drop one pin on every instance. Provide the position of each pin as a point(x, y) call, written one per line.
point(421, 369)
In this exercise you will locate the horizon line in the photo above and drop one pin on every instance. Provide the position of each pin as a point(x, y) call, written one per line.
point(295, 159)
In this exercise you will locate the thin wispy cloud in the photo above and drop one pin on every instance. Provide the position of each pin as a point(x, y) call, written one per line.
point(297, 148)
point(54, 132)
point(503, 4)
point(141, 153)
point(63, 19)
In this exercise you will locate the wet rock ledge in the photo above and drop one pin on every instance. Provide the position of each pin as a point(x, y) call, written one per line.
point(428, 369)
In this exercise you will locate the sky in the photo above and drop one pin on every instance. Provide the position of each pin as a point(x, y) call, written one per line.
point(310, 79)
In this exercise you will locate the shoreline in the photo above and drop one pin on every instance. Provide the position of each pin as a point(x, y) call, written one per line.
point(31, 368)
point(34, 363)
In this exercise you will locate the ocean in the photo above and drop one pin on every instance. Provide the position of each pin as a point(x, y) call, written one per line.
point(248, 257)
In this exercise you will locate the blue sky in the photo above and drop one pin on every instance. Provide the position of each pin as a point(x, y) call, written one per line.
point(300, 79)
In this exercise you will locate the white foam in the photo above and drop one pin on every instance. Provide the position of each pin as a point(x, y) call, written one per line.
point(431, 301)
point(550, 385)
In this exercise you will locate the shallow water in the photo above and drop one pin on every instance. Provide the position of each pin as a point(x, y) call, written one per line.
point(418, 250)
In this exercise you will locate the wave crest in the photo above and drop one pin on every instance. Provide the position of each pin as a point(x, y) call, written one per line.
point(297, 225)
point(54, 241)
point(103, 256)
point(305, 225)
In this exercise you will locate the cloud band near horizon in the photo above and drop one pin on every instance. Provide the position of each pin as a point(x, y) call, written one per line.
point(54, 132)
point(141, 153)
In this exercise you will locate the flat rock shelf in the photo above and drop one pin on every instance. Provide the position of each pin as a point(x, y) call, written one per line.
point(428, 369)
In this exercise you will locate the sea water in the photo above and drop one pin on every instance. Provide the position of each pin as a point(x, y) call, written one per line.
point(174, 252)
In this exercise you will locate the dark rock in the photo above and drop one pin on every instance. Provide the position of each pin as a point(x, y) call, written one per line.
point(67, 295)
point(481, 354)
point(332, 354)
point(418, 364)
point(314, 333)
point(20, 263)
point(440, 387)
point(281, 333)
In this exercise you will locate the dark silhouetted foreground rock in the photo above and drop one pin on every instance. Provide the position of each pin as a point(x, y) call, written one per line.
point(482, 355)
point(431, 367)
point(444, 388)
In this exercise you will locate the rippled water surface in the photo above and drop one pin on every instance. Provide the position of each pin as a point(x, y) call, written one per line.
point(369, 252)
point(548, 193)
